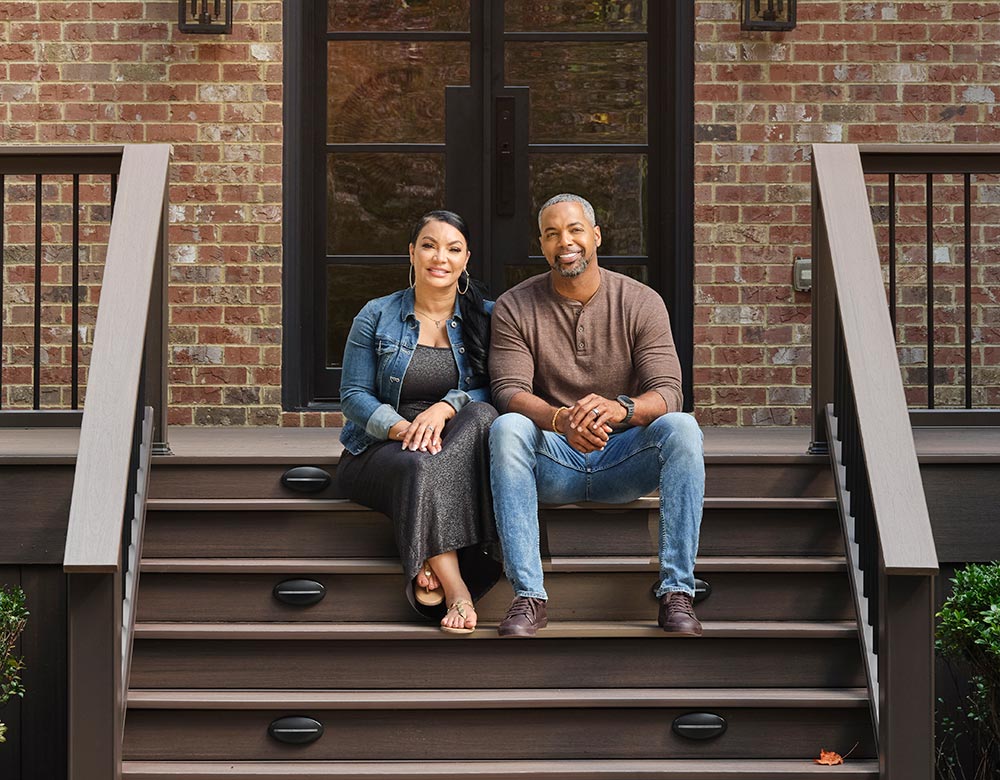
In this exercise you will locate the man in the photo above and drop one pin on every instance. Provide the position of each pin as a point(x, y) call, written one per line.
point(585, 374)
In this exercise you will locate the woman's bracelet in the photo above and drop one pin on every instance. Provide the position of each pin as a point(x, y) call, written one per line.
point(556, 417)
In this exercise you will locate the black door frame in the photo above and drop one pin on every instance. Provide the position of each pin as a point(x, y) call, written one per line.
point(671, 133)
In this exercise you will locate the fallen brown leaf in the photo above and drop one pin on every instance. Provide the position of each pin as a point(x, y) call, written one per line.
point(829, 758)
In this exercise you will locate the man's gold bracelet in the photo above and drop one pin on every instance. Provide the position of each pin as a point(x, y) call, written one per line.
point(556, 417)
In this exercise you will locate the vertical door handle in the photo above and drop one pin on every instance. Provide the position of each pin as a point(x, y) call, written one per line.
point(504, 154)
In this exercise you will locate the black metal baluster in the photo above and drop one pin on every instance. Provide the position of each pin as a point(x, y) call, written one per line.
point(873, 599)
point(871, 569)
point(838, 376)
point(3, 230)
point(968, 291)
point(892, 252)
point(37, 355)
point(930, 291)
point(75, 335)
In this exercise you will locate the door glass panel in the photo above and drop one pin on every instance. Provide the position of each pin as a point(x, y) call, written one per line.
point(575, 15)
point(515, 274)
point(389, 15)
point(348, 288)
point(391, 91)
point(615, 184)
point(374, 199)
point(582, 92)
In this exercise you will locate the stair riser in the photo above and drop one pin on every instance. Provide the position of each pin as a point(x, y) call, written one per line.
point(305, 534)
point(493, 734)
point(572, 596)
point(493, 663)
point(771, 480)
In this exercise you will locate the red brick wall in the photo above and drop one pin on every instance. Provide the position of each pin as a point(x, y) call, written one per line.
point(859, 72)
point(119, 71)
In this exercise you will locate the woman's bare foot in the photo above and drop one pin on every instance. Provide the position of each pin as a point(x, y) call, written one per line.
point(461, 617)
point(427, 587)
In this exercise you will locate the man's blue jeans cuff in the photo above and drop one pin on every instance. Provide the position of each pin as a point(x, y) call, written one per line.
point(661, 591)
point(531, 594)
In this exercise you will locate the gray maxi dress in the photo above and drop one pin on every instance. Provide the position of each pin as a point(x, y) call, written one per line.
point(437, 503)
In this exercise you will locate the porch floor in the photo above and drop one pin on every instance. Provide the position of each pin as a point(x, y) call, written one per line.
point(322, 445)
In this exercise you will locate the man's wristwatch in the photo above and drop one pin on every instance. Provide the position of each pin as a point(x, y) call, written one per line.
point(629, 405)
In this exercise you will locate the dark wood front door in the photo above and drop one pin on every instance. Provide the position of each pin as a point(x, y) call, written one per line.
point(488, 108)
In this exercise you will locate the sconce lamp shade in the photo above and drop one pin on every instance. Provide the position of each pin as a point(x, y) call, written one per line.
point(208, 17)
point(767, 15)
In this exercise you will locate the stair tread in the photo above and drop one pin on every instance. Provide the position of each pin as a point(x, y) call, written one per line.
point(833, 563)
point(344, 505)
point(608, 769)
point(453, 699)
point(555, 630)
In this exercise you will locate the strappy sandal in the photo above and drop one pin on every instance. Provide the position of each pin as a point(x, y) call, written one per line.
point(429, 598)
point(458, 607)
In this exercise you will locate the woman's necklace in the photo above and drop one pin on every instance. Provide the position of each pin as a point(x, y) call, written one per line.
point(437, 323)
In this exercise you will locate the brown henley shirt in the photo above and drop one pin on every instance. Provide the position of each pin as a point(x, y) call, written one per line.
point(561, 350)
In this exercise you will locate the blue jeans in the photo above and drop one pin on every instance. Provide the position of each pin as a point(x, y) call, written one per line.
point(528, 465)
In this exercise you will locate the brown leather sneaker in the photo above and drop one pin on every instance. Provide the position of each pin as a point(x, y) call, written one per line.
point(677, 615)
point(524, 618)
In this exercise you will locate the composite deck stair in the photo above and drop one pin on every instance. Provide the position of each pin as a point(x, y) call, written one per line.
point(499, 770)
point(600, 693)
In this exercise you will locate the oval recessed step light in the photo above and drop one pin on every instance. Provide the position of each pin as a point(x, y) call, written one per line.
point(296, 730)
point(306, 479)
point(700, 725)
point(299, 593)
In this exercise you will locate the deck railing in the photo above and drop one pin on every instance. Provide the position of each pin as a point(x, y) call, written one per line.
point(124, 413)
point(861, 416)
point(55, 208)
point(937, 222)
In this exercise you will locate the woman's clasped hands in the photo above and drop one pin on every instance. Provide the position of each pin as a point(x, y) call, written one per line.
point(424, 432)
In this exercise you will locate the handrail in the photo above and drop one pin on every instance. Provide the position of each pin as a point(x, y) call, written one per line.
point(107, 508)
point(930, 158)
point(860, 409)
point(871, 349)
point(93, 539)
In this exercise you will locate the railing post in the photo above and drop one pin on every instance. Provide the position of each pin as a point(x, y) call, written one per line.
point(906, 677)
point(823, 324)
point(94, 644)
point(156, 338)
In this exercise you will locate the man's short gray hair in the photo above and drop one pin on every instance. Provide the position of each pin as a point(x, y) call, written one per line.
point(566, 197)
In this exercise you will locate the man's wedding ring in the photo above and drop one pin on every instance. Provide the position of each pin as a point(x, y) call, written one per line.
point(595, 412)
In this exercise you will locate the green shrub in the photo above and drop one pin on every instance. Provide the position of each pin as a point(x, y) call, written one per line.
point(968, 637)
point(13, 617)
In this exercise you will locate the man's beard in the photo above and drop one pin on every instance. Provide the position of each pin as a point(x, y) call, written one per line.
point(572, 271)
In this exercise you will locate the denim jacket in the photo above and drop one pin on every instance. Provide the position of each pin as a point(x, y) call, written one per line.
point(378, 351)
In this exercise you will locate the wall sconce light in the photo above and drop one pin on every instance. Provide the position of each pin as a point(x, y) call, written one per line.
point(767, 15)
point(209, 17)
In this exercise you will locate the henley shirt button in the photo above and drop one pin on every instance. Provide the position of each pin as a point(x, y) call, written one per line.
point(580, 345)
point(580, 328)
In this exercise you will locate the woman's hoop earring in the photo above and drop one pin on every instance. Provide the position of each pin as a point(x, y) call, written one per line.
point(468, 281)
point(413, 282)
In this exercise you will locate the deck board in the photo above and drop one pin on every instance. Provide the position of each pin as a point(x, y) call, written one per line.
point(322, 445)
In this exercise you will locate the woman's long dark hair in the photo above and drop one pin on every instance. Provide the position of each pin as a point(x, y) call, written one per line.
point(475, 320)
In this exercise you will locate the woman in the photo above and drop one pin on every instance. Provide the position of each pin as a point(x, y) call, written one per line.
point(413, 392)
